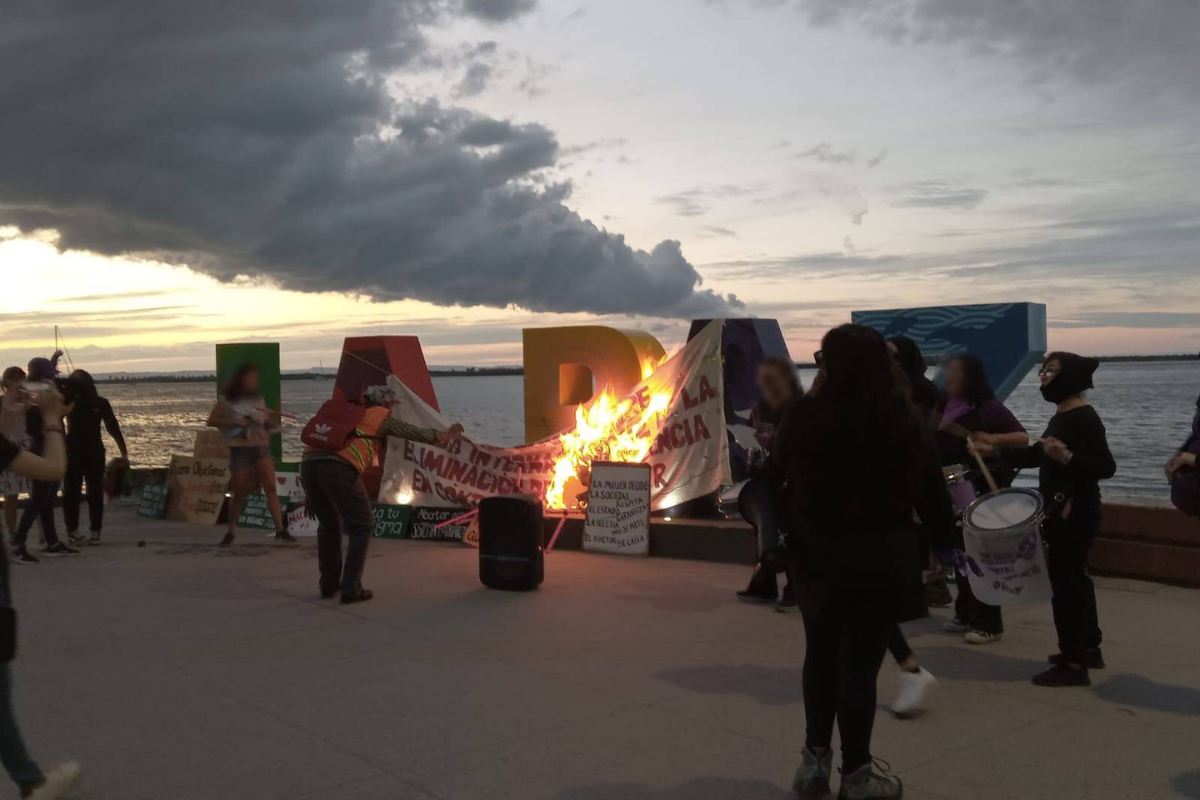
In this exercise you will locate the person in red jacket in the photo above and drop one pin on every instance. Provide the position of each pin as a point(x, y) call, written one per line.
point(335, 493)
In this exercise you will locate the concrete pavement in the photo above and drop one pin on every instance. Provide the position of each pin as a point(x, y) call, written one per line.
point(182, 671)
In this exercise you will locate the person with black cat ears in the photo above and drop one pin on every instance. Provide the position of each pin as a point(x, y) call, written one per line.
point(1072, 458)
point(860, 462)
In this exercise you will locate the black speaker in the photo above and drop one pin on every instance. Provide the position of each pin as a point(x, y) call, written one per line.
point(510, 543)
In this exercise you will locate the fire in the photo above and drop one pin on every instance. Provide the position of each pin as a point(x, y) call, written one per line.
point(606, 430)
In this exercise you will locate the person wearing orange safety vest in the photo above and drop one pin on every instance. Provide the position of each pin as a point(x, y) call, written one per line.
point(335, 493)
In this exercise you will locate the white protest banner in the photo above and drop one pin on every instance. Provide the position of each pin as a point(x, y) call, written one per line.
point(675, 419)
point(618, 509)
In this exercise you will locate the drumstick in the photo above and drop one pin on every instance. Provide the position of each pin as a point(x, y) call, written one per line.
point(987, 473)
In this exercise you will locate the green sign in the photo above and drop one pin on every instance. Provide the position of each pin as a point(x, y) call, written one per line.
point(153, 502)
point(256, 513)
point(265, 356)
point(391, 522)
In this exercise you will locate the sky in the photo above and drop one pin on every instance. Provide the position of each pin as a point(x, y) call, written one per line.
point(248, 170)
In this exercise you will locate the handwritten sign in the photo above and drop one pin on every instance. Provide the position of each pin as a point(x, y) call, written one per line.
point(197, 489)
point(153, 501)
point(210, 444)
point(257, 514)
point(391, 522)
point(618, 509)
point(425, 523)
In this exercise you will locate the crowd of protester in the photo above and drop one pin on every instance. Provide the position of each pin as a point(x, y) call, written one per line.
point(858, 469)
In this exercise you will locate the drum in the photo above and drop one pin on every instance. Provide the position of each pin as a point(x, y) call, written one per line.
point(1005, 561)
point(962, 487)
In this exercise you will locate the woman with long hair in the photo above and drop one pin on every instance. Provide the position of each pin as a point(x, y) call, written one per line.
point(759, 501)
point(247, 424)
point(86, 456)
point(970, 411)
point(860, 462)
point(1072, 458)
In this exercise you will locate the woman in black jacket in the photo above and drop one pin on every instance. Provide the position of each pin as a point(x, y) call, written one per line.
point(91, 415)
point(860, 461)
point(1072, 458)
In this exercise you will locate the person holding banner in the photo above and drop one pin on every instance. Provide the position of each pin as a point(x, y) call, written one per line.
point(247, 425)
point(1072, 458)
point(331, 470)
point(860, 462)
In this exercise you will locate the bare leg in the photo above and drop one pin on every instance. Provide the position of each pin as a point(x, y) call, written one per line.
point(266, 476)
point(241, 484)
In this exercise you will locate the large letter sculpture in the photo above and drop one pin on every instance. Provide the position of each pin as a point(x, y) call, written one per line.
point(1010, 338)
point(744, 344)
point(368, 360)
point(565, 367)
point(265, 356)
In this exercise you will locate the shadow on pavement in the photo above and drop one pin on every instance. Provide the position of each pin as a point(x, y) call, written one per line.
point(698, 789)
point(1187, 784)
point(771, 686)
point(1135, 690)
point(977, 664)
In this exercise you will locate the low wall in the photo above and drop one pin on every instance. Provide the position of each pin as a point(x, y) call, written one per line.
point(1155, 544)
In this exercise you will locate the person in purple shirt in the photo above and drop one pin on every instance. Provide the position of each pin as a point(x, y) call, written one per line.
point(969, 411)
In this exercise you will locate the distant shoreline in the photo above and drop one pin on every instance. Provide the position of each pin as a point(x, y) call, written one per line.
point(469, 372)
point(491, 372)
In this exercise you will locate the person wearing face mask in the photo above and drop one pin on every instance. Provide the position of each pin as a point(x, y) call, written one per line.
point(1072, 458)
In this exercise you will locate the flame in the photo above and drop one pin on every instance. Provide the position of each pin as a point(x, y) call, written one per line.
point(607, 430)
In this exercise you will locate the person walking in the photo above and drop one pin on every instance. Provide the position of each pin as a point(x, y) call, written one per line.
point(86, 456)
point(31, 782)
point(1072, 458)
point(860, 463)
point(40, 507)
point(247, 424)
point(970, 411)
point(335, 493)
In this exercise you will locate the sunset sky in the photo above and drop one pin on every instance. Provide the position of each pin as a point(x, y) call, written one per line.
point(461, 169)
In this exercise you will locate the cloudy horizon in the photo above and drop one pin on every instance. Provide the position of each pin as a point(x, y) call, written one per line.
point(461, 169)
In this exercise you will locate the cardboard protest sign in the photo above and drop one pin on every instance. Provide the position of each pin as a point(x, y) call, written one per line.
point(618, 510)
point(425, 522)
point(210, 444)
point(391, 522)
point(688, 454)
point(196, 489)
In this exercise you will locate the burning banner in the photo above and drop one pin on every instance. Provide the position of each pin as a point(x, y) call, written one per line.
point(673, 420)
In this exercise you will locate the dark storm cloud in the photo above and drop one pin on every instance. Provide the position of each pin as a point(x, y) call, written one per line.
point(1149, 46)
point(259, 138)
point(938, 194)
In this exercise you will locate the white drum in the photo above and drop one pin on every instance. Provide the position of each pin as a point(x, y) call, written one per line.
point(1005, 561)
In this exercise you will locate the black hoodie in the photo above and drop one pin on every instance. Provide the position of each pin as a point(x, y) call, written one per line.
point(90, 412)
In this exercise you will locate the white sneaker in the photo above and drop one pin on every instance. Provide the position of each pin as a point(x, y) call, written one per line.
point(980, 637)
point(912, 690)
point(58, 782)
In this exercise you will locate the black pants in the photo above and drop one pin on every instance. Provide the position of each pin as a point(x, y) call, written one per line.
point(841, 666)
point(898, 645)
point(334, 491)
point(40, 507)
point(84, 464)
point(1074, 600)
point(973, 611)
